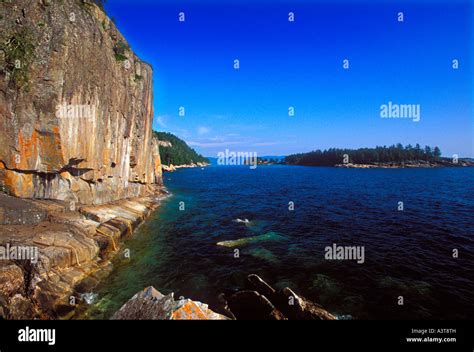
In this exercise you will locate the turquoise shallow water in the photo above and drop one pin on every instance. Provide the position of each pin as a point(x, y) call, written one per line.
point(407, 253)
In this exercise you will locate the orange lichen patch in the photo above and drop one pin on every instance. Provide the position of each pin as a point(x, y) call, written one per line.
point(20, 185)
point(40, 145)
point(50, 150)
point(28, 148)
point(189, 311)
point(66, 175)
point(2, 165)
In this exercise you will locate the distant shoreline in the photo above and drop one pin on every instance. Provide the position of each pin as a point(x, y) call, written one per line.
point(172, 168)
point(421, 164)
point(407, 165)
point(410, 164)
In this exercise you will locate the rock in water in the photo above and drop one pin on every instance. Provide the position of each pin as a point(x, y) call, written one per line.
point(300, 308)
point(267, 304)
point(264, 254)
point(261, 286)
point(150, 304)
point(146, 307)
point(269, 236)
point(251, 305)
point(245, 221)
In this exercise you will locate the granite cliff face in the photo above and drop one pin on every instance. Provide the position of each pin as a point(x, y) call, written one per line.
point(76, 120)
point(75, 106)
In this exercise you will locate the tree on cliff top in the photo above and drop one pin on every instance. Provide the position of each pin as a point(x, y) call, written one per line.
point(179, 153)
point(99, 3)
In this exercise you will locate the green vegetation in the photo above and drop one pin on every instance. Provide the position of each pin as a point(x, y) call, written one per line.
point(120, 49)
point(18, 54)
point(179, 153)
point(99, 3)
point(4, 189)
point(138, 77)
point(87, 3)
point(393, 154)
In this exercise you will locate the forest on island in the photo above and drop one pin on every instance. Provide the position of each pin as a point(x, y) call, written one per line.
point(391, 154)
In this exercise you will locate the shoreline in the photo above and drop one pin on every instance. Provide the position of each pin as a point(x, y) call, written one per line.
point(172, 168)
point(408, 165)
point(428, 165)
point(75, 251)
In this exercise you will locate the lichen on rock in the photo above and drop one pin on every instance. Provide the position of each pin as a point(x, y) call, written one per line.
point(82, 131)
point(77, 151)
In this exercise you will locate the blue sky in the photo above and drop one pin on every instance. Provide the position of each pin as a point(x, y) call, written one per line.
point(300, 64)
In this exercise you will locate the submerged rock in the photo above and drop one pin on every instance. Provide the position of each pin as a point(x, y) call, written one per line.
point(326, 288)
point(269, 236)
point(264, 254)
point(251, 305)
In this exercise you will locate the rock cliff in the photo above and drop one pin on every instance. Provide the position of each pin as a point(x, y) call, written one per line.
point(75, 106)
point(76, 121)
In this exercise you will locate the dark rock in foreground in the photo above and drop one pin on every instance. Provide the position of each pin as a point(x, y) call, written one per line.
point(265, 303)
point(261, 303)
point(251, 305)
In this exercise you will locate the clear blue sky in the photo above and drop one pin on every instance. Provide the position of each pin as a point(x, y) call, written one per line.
point(300, 64)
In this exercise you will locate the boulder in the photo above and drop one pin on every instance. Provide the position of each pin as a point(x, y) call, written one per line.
point(150, 304)
point(251, 305)
point(265, 303)
point(11, 279)
point(300, 308)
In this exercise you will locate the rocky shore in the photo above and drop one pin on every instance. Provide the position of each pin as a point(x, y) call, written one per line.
point(79, 160)
point(259, 301)
point(408, 164)
point(151, 304)
point(74, 249)
point(172, 168)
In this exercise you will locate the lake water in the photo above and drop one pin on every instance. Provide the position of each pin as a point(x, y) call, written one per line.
point(408, 253)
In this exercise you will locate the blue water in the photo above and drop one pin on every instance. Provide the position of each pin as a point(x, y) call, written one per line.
point(407, 253)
